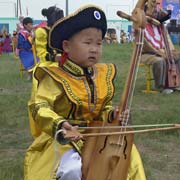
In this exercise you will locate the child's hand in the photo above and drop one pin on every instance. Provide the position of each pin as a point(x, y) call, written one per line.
point(71, 132)
point(66, 126)
point(123, 117)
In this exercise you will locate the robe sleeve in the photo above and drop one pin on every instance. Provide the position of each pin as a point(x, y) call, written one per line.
point(43, 108)
point(41, 44)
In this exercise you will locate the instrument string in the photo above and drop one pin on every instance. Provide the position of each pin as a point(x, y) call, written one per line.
point(128, 126)
point(135, 67)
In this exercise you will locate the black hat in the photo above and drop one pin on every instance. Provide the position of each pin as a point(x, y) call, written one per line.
point(27, 20)
point(84, 17)
point(53, 14)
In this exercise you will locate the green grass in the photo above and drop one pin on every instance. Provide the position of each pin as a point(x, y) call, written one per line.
point(160, 151)
point(14, 130)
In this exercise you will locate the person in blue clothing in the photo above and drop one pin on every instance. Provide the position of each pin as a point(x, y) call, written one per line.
point(25, 47)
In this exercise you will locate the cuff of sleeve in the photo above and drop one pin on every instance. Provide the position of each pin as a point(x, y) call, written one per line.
point(57, 126)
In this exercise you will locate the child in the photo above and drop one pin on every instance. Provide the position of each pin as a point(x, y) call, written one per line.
point(77, 92)
point(14, 43)
point(1, 43)
point(25, 47)
point(6, 48)
point(44, 52)
point(19, 26)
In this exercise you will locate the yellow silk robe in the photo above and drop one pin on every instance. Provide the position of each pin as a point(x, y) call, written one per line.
point(41, 44)
point(44, 52)
point(41, 37)
point(64, 94)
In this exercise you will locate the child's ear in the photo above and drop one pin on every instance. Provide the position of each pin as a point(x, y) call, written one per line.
point(65, 46)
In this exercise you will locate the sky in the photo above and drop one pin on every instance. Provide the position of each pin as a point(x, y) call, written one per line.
point(33, 8)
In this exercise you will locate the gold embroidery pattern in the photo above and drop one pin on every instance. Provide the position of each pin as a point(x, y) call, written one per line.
point(78, 145)
point(68, 88)
point(109, 83)
point(70, 66)
point(70, 91)
point(79, 102)
point(91, 106)
point(56, 125)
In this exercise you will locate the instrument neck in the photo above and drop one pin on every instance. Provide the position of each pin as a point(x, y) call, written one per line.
point(168, 52)
point(127, 95)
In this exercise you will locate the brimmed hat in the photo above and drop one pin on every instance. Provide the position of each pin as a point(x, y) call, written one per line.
point(84, 17)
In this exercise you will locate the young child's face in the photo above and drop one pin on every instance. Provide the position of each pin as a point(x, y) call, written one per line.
point(28, 27)
point(85, 47)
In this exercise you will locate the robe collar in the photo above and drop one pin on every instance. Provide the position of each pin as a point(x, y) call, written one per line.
point(76, 70)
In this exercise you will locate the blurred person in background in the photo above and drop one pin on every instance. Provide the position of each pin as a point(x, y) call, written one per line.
point(1, 43)
point(25, 47)
point(6, 48)
point(154, 48)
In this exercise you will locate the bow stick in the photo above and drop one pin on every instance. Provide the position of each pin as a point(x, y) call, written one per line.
point(72, 133)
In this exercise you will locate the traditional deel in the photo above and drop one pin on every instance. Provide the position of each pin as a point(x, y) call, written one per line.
point(72, 96)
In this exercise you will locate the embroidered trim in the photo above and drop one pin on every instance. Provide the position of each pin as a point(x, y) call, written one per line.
point(55, 126)
point(74, 68)
point(83, 123)
point(91, 106)
point(109, 84)
point(77, 101)
point(68, 88)
point(77, 70)
point(78, 145)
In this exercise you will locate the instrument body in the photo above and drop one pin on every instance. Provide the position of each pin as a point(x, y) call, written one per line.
point(106, 157)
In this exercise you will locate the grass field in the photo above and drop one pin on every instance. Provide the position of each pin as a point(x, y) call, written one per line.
point(160, 151)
